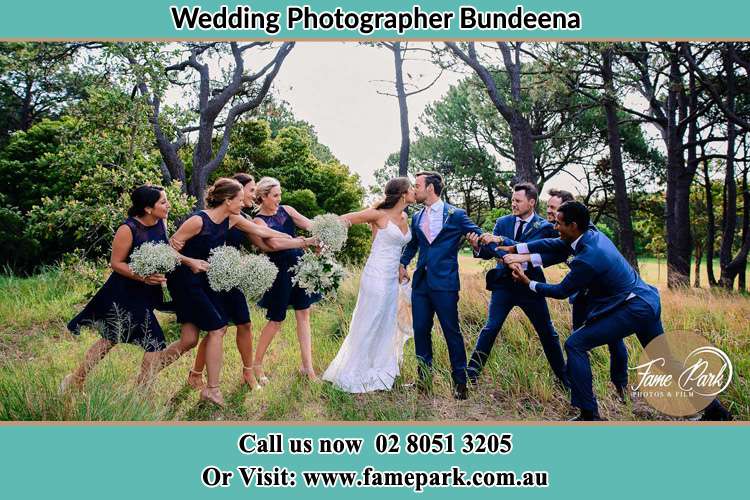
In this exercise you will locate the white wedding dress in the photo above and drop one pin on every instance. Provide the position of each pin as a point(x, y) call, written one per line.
point(370, 357)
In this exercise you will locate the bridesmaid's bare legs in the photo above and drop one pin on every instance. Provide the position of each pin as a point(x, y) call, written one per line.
point(304, 337)
point(188, 340)
point(95, 353)
point(214, 358)
point(266, 336)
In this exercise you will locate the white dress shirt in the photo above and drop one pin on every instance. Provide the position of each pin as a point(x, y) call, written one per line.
point(536, 259)
point(435, 213)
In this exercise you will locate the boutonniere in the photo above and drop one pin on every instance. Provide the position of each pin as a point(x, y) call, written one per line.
point(536, 225)
point(451, 211)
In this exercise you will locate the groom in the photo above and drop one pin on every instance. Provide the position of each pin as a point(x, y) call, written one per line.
point(439, 230)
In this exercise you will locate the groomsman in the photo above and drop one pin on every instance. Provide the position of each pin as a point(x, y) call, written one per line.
point(619, 302)
point(523, 225)
point(618, 353)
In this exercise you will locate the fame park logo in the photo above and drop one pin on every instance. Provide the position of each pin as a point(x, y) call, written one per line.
point(679, 373)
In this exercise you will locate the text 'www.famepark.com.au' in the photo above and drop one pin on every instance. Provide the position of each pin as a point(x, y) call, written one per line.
point(369, 477)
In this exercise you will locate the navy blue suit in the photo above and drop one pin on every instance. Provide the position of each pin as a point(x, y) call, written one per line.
point(618, 353)
point(506, 294)
point(435, 286)
point(619, 303)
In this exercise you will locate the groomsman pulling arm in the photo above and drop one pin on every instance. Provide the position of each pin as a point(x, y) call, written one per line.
point(523, 225)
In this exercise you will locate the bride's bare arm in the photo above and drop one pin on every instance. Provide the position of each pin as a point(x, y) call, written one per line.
point(366, 216)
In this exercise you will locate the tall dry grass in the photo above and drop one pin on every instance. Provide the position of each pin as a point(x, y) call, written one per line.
point(36, 351)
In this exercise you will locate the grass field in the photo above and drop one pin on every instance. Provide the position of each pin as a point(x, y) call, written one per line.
point(36, 351)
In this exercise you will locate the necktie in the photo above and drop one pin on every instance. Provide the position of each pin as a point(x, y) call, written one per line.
point(519, 231)
point(425, 224)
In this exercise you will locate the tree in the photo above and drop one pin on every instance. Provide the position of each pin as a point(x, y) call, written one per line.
point(404, 88)
point(38, 80)
point(220, 101)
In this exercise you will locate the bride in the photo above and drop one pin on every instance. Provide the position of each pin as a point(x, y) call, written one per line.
point(369, 358)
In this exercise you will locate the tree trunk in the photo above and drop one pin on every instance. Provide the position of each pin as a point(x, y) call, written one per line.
point(697, 264)
point(679, 239)
point(711, 229)
point(742, 283)
point(622, 202)
point(730, 183)
point(523, 149)
point(403, 158)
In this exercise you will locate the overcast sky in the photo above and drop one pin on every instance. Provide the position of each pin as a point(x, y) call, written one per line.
point(334, 86)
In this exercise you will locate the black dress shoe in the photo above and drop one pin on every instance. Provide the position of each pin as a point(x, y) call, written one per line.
point(587, 416)
point(460, 392)
point(622, 393)
point(715, 412)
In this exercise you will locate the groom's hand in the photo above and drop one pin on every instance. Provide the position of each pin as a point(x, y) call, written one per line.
point(403, 274)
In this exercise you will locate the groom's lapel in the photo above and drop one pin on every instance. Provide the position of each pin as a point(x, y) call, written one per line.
point(418, 219)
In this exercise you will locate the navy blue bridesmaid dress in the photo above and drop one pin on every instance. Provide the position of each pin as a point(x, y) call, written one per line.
point(194, 301)
point(123, 309)
point(283, 294)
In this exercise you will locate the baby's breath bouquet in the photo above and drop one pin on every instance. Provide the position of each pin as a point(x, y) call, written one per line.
point(318, 274)
point(258, 274)
point(153, 258)
point(224, 269)
point(330, 231)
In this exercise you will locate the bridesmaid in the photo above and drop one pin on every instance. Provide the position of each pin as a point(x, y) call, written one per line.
point(240, 239)
point(283, 294)
point(123, 308)
point(197, 306)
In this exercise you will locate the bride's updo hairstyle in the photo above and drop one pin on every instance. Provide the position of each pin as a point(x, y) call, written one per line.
point(394, 190)
point(223, 189)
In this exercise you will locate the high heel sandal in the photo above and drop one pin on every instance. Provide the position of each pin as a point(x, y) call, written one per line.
point(257, 386)
point(261, 379)
point(192, 383)
point(207, 394)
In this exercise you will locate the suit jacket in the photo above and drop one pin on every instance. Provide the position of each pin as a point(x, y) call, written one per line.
point(599, 268)
point(538, 228)
point(437, 264)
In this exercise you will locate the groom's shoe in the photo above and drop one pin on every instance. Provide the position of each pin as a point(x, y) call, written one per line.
point(460, 392)
point(622, 393)
point(588, 416)
point(716, 412)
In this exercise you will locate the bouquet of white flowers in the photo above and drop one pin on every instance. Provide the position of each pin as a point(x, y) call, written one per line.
point(318, 273)
point(258, 274)
point(330, 231)
point(224, 269)
point(153, 258)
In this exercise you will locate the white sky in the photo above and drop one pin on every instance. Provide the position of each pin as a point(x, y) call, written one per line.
point(334, 85)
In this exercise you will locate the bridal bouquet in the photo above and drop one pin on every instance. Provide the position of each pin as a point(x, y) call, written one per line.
point(230, 268)
point(318, 274)
point(258, 274)
point(224, 269)
point(330, 231)
point(153, 258)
